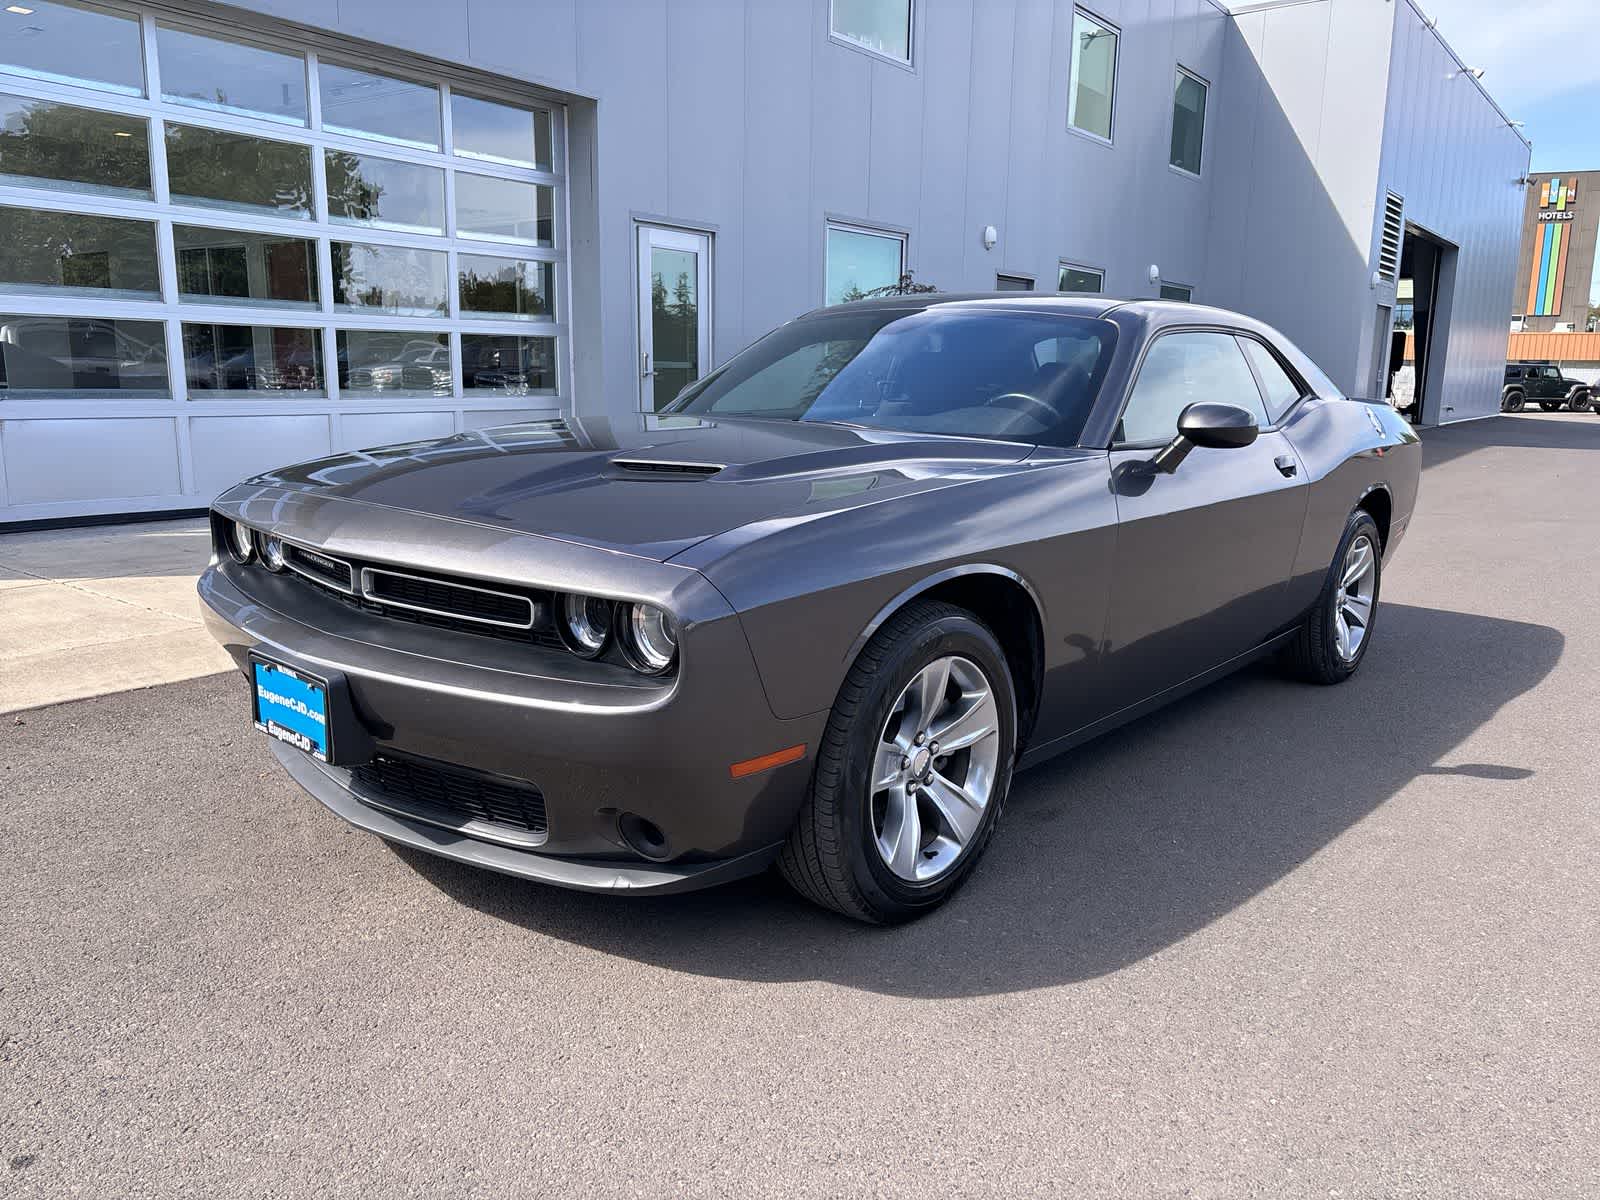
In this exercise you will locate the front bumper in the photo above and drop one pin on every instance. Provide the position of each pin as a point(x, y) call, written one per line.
point(595, 747)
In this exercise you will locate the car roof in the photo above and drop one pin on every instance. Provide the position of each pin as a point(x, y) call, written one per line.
point(1153, 313)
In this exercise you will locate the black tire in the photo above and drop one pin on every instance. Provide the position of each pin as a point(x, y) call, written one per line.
point(831, 858)
point(1313, 654)
point(1550, 405)
point(1581, 402)
point(1513, 402)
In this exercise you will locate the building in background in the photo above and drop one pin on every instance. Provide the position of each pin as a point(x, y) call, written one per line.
point(1556, 299)
point(237, 236)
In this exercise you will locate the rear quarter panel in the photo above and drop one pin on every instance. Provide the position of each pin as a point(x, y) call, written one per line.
point(1348, 448)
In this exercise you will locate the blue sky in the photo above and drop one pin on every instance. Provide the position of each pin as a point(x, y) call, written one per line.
point(1541, 61)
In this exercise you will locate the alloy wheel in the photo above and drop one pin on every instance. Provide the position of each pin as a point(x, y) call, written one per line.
point(934, 768)
point(1358, 580)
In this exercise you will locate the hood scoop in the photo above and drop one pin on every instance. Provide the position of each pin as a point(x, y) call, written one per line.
point(660, 468)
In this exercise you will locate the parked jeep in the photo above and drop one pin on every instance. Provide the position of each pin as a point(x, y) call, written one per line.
point(1545, 385)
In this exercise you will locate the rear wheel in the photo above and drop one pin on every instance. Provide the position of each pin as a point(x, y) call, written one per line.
point(912, 772)
point(1513, 402)
point(1335, 634)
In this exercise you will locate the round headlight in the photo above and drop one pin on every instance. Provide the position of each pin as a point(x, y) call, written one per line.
point(241, 542)
point(585, 624)
point(649, 640)
point(271, 552)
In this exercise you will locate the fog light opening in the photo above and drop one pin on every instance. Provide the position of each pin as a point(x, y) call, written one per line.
point(644, 837)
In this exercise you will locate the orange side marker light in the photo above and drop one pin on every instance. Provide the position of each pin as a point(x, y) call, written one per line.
point(777, 758)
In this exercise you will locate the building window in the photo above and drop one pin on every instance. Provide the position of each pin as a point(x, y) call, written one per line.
point(231, 77)
point(77, 254)
point(862, 262)
point(1188, 121)
point(365, 104)
point(1177, 291)
point(1080, 279)
point(68, 44)
point(1013, 283)
point(426, 268)
point(882, 26)
point(70, 149)
point(95, 358)
point(1091, 94)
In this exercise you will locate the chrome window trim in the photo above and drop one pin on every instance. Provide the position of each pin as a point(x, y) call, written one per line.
point(366, 594)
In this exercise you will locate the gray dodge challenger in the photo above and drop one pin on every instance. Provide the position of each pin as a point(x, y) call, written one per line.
point(818, 610)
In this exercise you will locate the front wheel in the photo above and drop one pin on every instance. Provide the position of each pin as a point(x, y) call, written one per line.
point(1581, 402)
point(1333, 638)
point(912, 772)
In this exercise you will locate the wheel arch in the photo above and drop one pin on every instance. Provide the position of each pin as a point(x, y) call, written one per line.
point(1378, 503)
point(1006, 603)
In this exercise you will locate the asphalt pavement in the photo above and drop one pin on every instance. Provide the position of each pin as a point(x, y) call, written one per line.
point(1275, 941)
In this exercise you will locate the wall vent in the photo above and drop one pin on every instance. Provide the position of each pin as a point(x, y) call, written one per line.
point(1393, 230)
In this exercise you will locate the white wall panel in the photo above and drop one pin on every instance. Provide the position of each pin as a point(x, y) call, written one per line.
point(50, 461)
point(228, 449)
point(361, 431)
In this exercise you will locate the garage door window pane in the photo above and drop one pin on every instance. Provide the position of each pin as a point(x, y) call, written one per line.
point(506, 287)
point(378, 106)
point(502, 133)
point(241, 361)
point(384, 193)
point(72, 44)
point(507, 366)
point(226, 266)
point(859, 263)
point(74, 253)
point(880, 25)
point(394, 279)
point(502, 209)
point(67, 148)
point(1094, 76)
point(89, 358)
point(1188, 122)
point(227, 76)
point(1080, 279)
point(385, 363)
point(216, 169)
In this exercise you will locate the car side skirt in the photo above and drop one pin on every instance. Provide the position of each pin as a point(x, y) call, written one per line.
point(1034, 755)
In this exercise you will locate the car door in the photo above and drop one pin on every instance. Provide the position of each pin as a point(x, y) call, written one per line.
point(1204, 554)
point(1550, 384)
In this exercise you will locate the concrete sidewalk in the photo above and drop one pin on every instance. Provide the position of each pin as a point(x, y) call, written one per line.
point(88, 611)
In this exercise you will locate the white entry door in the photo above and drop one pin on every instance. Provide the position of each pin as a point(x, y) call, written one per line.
point(674, 312)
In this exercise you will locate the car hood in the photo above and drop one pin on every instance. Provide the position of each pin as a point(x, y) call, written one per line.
point(653, 489)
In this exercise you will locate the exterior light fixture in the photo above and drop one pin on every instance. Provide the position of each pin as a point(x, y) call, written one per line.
point(1475, 72)
point(991, 235)
point(1155, 274)
point(19, 10)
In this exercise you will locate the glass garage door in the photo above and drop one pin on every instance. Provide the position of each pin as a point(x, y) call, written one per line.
point(222, 252)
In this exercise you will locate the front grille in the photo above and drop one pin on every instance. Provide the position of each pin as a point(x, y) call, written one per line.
point(471, 795)
point(319, 566)
point(437, 597)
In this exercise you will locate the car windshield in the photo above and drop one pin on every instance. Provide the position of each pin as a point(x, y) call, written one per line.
point(1021, 376)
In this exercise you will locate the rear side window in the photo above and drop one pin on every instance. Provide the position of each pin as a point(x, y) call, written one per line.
point(1280, 388)
point(1181, 369)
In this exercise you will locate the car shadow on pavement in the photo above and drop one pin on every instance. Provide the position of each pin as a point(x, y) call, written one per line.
point(1114, 851)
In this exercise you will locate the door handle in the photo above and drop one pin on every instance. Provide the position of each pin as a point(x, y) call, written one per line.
point(1286, 465)
point(644, 365)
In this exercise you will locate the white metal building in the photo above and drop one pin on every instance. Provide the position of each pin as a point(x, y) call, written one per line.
point(235, 236)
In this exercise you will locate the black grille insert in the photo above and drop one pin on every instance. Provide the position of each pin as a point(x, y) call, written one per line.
point(407, 780)
point(318, 566)
point(442, 598)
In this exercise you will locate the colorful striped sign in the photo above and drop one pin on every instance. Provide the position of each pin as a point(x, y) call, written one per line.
point(1549, 277)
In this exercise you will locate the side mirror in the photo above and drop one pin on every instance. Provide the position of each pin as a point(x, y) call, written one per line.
point(1214, 426)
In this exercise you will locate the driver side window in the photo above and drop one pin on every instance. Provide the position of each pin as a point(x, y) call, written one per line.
point(1181, 369)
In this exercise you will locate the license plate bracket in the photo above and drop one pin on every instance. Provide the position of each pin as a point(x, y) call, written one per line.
point(308, 710)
